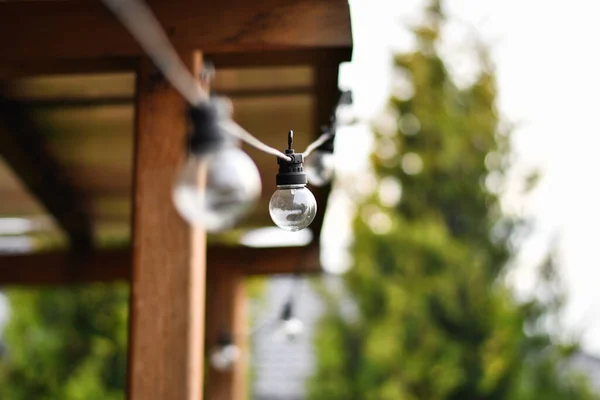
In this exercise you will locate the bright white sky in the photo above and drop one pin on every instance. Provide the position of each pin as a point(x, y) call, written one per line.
point(548, 64)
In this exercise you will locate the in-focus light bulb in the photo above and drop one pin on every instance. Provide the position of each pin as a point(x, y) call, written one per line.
point(219, 183)
point(292, 207)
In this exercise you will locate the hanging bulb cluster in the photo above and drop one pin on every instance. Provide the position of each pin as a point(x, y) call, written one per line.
point(219, 183)
point(225, 354)
point(292, 207)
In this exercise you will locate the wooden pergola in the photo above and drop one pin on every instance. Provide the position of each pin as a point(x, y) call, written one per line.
point(91, 137)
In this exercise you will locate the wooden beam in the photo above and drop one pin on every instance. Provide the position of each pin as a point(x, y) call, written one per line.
point(267, 261)
point(23, 147)
point(226, 293)
point(35, 30)
point(169, 257)
point(281, 58)
point(63, 268)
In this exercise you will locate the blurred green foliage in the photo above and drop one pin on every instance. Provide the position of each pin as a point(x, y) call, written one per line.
point(435, 319)
point(65, 343)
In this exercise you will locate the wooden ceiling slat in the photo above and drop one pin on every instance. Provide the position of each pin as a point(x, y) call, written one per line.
point(86, 29)
point(263, 77)
point(18, 202)
point(265, 93)
point(74, 102)
point(14, 197)
point(81, 86)
point(16, 69)
point(22, 146)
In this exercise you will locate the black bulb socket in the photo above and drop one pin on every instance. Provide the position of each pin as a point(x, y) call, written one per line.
point(291, 172)
point(327, 147)
point(205, 133)
point(287, 312)
point(225, 339)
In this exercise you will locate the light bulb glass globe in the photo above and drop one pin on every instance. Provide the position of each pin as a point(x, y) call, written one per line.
point(215, 190)
point(292, 207)
point(222, 358)
point(319, 167)
point(290, 329)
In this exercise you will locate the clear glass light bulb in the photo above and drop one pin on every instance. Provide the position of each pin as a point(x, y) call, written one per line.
point(319, 167)
point(215, 190)
point(290, 329)
point(292, 207)
point(222, 358)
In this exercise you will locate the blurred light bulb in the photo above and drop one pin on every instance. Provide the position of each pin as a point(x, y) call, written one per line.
point(320, 164)
point(225, 354)
point(319, 167)
point(345, 113)
point(290, 327)
point(219, 184)
point(223, 359)
point(292, 207)
point(217, 189)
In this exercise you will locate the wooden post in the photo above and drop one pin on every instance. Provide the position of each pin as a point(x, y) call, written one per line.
point(169, 258)
point(227, 313)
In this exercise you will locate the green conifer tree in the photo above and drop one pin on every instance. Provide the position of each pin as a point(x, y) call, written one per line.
point(435, 319)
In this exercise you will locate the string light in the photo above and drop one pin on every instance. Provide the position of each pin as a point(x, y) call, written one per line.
point(206, 192)
point(292, 207)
